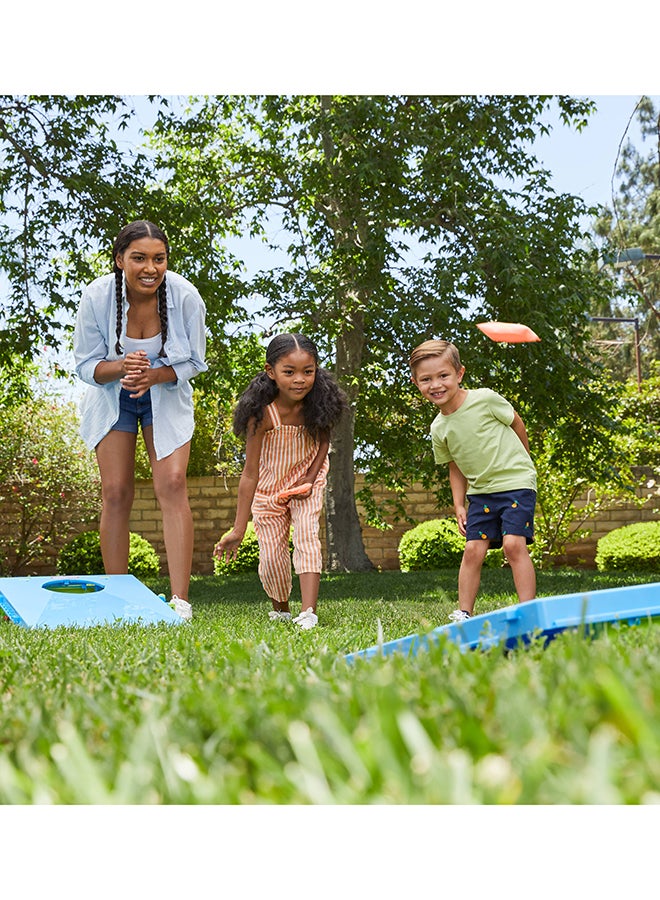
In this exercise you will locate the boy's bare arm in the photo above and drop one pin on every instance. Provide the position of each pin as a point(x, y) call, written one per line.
point(519, 428)
point(458, 484)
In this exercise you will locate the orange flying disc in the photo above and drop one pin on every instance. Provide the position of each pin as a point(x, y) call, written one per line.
point(508, 331)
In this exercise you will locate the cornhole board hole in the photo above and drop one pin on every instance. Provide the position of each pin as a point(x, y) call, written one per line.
point(83, 601)
point(543, 618)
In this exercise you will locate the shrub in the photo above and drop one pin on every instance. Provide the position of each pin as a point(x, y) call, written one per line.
point(49, 483)
point(632, 547)
point(247, 557)
point(436, 544)
point(82, 556)
point(639, 418)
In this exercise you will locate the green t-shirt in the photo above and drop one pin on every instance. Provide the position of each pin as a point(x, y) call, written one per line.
point(478, 437)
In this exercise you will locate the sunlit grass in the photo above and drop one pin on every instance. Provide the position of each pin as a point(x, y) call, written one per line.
point(233, 708)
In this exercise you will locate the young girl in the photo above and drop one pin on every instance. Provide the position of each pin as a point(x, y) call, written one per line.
point(286, 413)
point(139, 339)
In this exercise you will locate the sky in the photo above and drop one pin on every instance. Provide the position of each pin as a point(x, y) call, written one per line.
point(583, 163)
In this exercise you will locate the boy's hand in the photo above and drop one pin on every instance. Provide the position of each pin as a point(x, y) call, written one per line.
point(461, 519)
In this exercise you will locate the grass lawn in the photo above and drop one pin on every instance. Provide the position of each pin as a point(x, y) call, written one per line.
point(234, 709)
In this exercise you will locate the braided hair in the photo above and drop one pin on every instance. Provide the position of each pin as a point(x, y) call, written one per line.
point(322, 406)
point(129, 233)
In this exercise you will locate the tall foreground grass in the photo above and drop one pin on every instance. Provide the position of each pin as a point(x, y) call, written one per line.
point(234, 709)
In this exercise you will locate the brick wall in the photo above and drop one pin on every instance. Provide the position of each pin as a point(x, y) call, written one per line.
point(622, 513)
point(213, 502)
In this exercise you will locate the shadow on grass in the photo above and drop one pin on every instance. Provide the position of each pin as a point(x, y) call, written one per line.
point(405, 586)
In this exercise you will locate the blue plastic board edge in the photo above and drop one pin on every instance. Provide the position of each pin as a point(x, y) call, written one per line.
point(9, 611)
point(544, 617)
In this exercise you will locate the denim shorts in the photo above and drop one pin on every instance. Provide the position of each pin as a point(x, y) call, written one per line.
point(491, 516)
point(133, 411)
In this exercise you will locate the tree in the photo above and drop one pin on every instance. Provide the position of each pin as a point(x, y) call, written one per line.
point(634, 221)
point(66, 188)
point(73, 171)
point(16, 373)
point(401, 218)
point(581, 471)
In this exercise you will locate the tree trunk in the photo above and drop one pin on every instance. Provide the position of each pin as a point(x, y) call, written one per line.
point(345, 546)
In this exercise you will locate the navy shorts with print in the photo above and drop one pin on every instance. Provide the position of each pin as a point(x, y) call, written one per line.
point(490, 516)
point(133, 411)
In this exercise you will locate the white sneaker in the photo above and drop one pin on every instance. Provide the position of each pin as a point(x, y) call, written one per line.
point(278, 615)
point(307, 619)
point(182, 607)
point(459, 615)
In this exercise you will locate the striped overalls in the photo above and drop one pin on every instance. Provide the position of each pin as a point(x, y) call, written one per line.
point(286, 454)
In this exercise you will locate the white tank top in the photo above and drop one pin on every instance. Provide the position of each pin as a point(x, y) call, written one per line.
point(150, 345)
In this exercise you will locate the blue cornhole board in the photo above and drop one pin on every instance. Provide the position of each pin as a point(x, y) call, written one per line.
point(83, 601)
point(546, 617)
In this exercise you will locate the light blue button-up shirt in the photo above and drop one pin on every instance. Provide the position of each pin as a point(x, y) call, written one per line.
point(94, 341)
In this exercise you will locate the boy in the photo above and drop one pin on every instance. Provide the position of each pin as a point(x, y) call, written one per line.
point(485, 443)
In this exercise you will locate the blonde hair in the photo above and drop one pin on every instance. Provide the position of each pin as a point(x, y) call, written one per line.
point(435, 348)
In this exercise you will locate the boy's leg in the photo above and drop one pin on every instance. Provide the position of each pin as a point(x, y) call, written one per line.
point(517, 532)
point(469, 574)
point(482, 531)
point(522, 567)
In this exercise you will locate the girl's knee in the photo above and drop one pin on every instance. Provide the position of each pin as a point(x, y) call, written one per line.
point(275, 576)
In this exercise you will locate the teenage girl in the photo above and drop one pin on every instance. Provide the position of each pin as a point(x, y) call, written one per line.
point(139, 339)
point(286, 413)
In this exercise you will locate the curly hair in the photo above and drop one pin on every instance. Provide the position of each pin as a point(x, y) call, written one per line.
point(129, 233)
point(323, 406)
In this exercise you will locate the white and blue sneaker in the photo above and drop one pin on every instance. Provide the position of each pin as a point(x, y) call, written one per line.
point(182, 607)
point(279, 615)
point(459, 615)
point(307, 619)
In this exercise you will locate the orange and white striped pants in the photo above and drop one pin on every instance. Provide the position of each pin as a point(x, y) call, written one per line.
point(272, 522)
